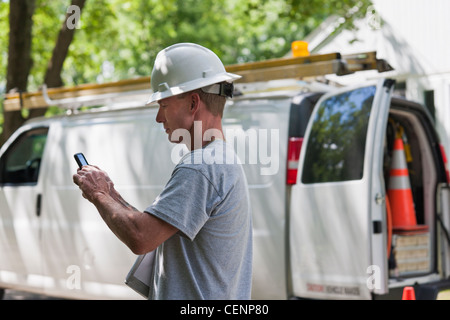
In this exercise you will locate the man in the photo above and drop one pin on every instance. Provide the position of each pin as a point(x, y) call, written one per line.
point(200, 224)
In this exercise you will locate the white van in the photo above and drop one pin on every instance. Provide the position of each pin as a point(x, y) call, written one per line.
point(342, 242)
point(312, 239)
point(53, 241)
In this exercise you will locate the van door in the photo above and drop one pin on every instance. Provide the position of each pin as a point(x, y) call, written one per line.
point(337, 230)
point(20, 196)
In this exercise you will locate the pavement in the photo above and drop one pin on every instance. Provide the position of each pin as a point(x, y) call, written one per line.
point(21, 295)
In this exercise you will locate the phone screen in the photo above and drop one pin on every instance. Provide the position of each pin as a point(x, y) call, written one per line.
point(81, 160)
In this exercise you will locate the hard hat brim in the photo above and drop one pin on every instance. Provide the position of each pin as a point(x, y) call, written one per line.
point(193, 85)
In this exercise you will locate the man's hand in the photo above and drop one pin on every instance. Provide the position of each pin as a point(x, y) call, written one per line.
point(141, 232)
point(93, 182)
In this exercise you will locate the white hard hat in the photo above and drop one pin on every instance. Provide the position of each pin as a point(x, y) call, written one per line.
point(185, 67)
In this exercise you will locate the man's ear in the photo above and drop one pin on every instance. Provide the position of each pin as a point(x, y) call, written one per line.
point(195, 102)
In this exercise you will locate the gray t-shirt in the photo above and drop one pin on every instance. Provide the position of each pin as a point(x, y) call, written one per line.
point(207, 200)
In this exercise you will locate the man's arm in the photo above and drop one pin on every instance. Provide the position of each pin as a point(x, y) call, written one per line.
point(140, 231)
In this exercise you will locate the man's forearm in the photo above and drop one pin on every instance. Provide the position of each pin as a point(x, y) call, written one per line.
point(120, 216)
point(140, 231)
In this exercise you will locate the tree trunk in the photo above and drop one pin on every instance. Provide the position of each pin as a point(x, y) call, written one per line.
point(19, 58)
point(53, 75)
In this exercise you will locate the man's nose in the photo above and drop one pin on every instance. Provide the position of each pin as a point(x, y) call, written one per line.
point(160, 116)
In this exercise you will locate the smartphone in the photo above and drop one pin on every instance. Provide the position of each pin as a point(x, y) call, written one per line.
point(80, 159)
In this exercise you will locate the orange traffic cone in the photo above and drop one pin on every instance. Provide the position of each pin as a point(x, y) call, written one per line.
point(408, 293)
point(400, 194)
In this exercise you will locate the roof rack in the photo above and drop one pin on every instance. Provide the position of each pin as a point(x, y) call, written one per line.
point(273, 69)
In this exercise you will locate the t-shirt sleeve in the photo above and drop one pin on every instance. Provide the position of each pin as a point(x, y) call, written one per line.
point(186, 202)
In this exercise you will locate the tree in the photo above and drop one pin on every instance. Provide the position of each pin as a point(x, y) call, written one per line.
point(20, 61)
point(19, 58)
point(120, 39)
point(53, 74)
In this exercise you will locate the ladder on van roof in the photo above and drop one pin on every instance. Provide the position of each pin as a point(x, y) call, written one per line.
point(274, 69)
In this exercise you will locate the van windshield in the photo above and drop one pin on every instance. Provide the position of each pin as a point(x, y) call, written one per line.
point(336, 145)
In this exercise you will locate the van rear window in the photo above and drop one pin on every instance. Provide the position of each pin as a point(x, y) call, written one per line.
point(336, 145)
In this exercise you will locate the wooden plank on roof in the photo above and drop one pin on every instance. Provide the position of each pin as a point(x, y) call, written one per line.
point(274, 63)
point(33, 100)
point(293, 71)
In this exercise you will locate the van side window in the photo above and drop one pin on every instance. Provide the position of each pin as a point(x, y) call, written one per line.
point(21, 162)
point(335, 150)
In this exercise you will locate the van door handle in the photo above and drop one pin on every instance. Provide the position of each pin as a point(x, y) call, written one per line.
point(38, 205)
point(377, 227)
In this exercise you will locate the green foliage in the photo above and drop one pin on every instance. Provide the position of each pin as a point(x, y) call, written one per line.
point(120, 39)
point(4, 25)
